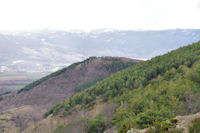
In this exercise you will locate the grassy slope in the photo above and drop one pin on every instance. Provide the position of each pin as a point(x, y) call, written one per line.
point(151, 91)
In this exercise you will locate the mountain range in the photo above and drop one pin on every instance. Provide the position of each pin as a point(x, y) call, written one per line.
point(49, 50)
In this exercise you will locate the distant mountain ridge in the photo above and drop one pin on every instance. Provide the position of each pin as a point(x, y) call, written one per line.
point(50, 50)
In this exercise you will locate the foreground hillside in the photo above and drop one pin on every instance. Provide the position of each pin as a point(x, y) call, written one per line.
point(27, 106)
point(139, 97)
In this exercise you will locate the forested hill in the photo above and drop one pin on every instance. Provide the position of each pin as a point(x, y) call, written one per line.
point(154, 90)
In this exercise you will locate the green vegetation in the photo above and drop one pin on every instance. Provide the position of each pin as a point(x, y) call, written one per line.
point(97, 125)
point(16, 87)
point(5, 116)
point(36, 83)
point(195, 127)
point(149, 92)
point(117, 66)
point(162, 98)
point(88, 84)
point(165, 127)
point(126, 125)
point(5, 93)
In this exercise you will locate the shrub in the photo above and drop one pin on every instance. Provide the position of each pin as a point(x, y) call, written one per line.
point(165, 127)
point(88, 84)
point(98, 125)
point(126, 125)
point(195, 127)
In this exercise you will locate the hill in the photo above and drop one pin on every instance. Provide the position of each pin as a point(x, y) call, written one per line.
point(138, 97)
point(43, 94)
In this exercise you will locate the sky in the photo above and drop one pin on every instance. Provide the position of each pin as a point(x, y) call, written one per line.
point(88, 15)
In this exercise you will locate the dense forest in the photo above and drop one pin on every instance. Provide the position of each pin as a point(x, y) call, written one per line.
point(152, 91)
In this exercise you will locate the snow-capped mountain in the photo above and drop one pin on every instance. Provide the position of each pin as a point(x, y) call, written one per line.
point(49, 50)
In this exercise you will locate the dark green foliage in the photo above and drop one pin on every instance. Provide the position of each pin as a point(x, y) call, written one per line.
point(5, 93)
point(149, 92)
point(137, 76)
point(36, 83)
point(117, 66)
point(195, 127)
point(87, 85)
point(98, 125)
point(173, 121)
point(162, 99)
point(149, 116)
point(165, 127)
point(54, 110)
point(125, 126)
point(112, 58)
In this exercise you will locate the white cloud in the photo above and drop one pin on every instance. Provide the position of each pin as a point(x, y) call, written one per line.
point(199, 4)
point(94, 14)
point(17, 61)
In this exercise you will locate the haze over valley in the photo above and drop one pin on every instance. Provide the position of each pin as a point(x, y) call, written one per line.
point(49, 50)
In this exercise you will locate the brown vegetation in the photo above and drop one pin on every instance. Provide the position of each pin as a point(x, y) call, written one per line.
point(28, 107)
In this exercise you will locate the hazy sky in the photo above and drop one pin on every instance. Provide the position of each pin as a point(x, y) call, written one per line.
point(97, 14)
